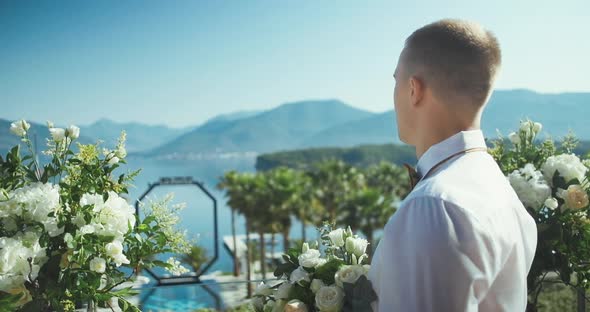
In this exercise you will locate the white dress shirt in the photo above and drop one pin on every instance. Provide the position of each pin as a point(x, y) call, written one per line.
point(461, 241)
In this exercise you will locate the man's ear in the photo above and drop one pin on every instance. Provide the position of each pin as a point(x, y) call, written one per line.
point(417, 89)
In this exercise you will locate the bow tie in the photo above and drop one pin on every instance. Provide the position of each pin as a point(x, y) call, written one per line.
point(414, 176)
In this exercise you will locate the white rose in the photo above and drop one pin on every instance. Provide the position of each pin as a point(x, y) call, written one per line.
point(304, 247)
point(337, 237)
point(114, 160)
point(295, 306)
point(19, 128)
point(316, 284)
point(58, 134)
point(263, 290)
point(50, 124)
point(98, 265)
point(283, 291)
point(356, 246)
point(299, 275)
point(329, 299)
point(321, 261)
point(309, 259)
point(348, 274)
point(73, 132)
point(514, 138)
point(569, 166)
point(551, 203)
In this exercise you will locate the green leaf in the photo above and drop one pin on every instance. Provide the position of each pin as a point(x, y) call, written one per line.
point(285, 268)
point(359, 296)
point(327, 271)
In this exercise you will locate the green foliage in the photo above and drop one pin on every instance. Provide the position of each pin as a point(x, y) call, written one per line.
point(362, 156)
point(563, 245)
point(327, 271)
point(89, 221)
point(196, 257)
point(359, 296)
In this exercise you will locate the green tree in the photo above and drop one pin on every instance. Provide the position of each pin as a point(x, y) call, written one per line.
point(333, 182)
point(196, 257)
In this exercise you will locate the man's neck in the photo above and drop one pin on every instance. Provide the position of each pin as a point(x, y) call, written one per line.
point(437, 135)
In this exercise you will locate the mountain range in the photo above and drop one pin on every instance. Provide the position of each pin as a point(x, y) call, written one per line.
point(321, 123)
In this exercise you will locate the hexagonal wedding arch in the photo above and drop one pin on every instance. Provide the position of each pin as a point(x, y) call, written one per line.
point(193, 279)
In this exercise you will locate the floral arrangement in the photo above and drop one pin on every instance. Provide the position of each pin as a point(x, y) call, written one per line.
point(336, 282)
point(66, 232)
point(553, 185)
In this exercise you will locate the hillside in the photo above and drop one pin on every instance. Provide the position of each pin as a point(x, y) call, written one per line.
point(284, 127)
point(140, 137)
point(361, 156)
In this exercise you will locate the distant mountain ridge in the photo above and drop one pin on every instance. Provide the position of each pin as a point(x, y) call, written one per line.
point(283, 127)
point(140, 137)
point(321, 123)
point(330, 124)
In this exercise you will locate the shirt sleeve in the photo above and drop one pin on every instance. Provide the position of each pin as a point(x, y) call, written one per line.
point(433, 257)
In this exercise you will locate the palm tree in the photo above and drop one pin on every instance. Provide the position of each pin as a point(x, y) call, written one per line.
point(333, 181)
point(284, 186)
point(228, 182)
point(195, 258)
point(240, 188)
point(387, 184)
point(389, 179)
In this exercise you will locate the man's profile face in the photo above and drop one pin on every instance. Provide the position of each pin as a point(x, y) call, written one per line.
point(401, 100)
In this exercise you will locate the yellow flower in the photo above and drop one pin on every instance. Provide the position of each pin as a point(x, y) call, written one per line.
point(88, 153)
point(575, 197)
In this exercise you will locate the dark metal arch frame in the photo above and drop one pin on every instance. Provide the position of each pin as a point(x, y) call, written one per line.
point(180, 280)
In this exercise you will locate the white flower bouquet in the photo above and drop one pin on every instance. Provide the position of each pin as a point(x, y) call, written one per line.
point(553, 185)
point(66, 232)
point(336, 282)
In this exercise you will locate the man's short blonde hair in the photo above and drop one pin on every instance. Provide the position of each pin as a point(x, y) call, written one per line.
point(459, 60)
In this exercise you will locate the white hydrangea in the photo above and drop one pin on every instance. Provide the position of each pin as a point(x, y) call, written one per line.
point(529, 185)
point(113, 216)
point(569, 166)
point(33, 202)
point(15, 268)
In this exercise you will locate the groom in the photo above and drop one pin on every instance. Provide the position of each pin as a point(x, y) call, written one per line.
point(461, 241)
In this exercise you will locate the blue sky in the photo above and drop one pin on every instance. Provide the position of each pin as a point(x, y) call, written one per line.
point(182, 62)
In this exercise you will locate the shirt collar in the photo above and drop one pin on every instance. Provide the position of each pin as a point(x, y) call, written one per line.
point(461, 141)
